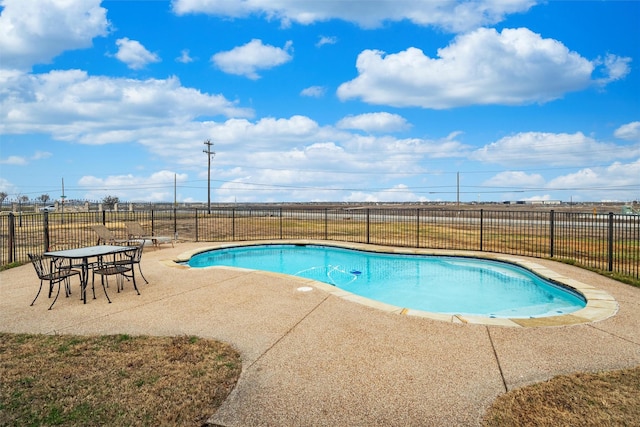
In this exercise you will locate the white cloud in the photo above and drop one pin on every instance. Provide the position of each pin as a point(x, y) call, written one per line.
point(7, 187)
point(326, 40)
point(132, 53)
point(615, 68)
point(629, 132)
point(184, 57)
point(314, 91)
point(41, 155)
point(247, 59)
point(551, 149)
point(70, 105)
point(14, 161)
point(449, 15)
point(36, 31)
point(23, 161)
point(484, 67)
point(398, 193)
point(308, 161)
point(155, 187)
point(618, 181)
point(543, 197)
point(375, 122)
point(515, 179)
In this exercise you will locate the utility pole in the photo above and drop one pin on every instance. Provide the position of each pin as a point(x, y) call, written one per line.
point(209, 153)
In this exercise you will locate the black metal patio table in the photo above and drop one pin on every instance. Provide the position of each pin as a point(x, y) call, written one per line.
point(84, 254)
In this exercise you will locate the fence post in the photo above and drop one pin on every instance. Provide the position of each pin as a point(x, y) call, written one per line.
point(196, 210)
point(368, 229)
point(280, 223)
point(175, 223)
point(45, 227)
point(610, 241)
point(104, 217)
point(418, 228)
point(11, 245)
point(481, 229)
point(153, 220)
point(326, 224)
point(552, 229)
point(233, 224)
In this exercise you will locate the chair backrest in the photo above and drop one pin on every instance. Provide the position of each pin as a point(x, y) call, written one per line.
point(43, 269)
point(130, 256)
point(135, 229)
point(103, 232)
point(137, 256)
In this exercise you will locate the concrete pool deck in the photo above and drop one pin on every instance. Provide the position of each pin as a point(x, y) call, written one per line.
point(315, 358)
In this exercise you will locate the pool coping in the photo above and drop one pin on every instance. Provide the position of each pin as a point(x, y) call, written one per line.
point(600, 304)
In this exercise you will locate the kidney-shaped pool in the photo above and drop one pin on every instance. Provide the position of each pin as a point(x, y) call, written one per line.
point(440, 284)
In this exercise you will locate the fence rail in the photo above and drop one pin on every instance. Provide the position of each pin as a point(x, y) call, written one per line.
point(608, 242)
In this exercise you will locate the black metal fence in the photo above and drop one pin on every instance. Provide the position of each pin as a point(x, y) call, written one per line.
point(608, 242)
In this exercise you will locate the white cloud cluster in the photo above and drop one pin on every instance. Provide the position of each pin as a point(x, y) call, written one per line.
point(314, 91)
point(324, 40)
point(132, 187)
point(513, 67)
point(375, 122)
point(71, 105)
point(451, 15)
point(23, 161)
point(185, 57)
point(536, 149)
point(552, 149)
point(612, 182)
point(134, 54)
point(14, 160)
point(398, 193)
point(480, 67)
point(35, 31)
point(247, 59)
point(515, 179)
point(629, 132)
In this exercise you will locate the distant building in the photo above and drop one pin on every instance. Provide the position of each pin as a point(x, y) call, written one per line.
point(532, 202)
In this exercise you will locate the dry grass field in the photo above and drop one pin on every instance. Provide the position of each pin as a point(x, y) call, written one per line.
point(590, 400)
point(113, 380)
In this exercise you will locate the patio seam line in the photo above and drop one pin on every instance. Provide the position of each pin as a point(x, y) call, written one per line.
point(287, 332)
point(614, 335)
point(495, 354)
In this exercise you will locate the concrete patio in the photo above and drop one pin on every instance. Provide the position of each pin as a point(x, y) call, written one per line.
point(317, 359)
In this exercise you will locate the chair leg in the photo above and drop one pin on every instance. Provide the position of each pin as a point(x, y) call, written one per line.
point(67, 287)
point(93, 285)
point(57, 294)
point(104, 289)
point(38, 294)
point(140, 270)
point(133, 276)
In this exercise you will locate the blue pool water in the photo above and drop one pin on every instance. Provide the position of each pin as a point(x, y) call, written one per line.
point(441, 284)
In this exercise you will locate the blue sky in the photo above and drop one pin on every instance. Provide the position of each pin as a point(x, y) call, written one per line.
point(355, 100)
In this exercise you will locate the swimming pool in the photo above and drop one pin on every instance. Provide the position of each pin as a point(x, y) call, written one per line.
point(440, 284)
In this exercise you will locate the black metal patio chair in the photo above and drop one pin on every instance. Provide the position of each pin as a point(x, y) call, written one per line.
point(53, 271)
